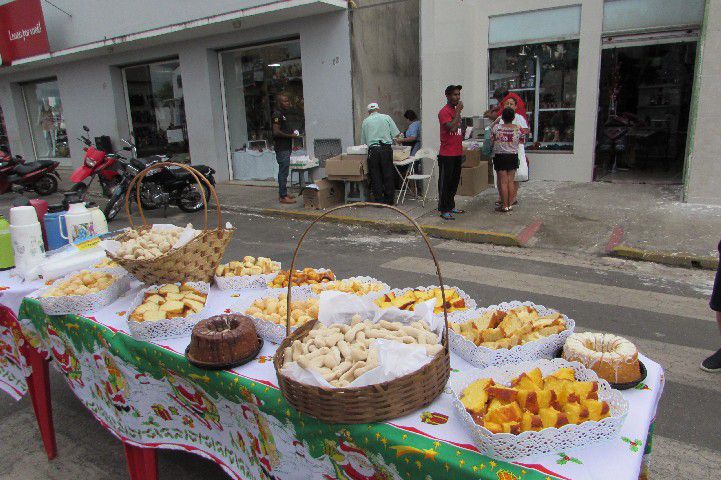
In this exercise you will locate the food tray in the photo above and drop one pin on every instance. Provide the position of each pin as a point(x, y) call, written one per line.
point(508, 446)
point(363, 279)
point(170, 327)
point(74, 304)
point(482, 357)
point(245, 282)
point(273, 332)
point(470, 303)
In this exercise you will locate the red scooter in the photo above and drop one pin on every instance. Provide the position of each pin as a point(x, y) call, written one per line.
point(39, 176)
point(96, 163)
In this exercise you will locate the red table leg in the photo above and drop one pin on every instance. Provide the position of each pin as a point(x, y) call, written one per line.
point(39, 388)
point(142, 462)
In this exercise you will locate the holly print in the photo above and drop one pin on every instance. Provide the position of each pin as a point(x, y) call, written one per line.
point(634, 445)
point(564, 459)
point(642, 386)
point(434, 418)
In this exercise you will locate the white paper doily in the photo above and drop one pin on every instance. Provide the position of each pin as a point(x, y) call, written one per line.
point(470, 303)
point(267, 330)
point(484, 357)
point(244, 282)
point(169, 327)
point(82, 303)
point(508, 446)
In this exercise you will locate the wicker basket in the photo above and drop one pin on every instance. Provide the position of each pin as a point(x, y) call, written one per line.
point(193, 262)
point(372, 403)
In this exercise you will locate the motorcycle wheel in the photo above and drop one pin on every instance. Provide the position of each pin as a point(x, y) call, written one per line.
point(114, 206)
point(190, 200)
point(46, 185)
point(81, 188)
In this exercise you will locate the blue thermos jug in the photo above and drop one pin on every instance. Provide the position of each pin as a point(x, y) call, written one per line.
point(54, 226)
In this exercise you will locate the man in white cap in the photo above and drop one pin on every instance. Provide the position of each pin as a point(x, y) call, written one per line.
point(378, 131)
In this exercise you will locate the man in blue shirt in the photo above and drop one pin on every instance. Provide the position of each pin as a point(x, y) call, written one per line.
point(378, 131)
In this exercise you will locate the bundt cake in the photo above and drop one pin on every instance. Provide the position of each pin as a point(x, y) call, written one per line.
point(613, 358)
point(223, 340)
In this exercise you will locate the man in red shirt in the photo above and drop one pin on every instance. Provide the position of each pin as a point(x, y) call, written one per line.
point(450, 155)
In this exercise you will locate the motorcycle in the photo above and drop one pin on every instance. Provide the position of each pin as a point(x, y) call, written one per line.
point(159, 188)
point(97, 163)
point(40, 176)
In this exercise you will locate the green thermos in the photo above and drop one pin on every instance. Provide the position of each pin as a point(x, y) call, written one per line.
point(7, 259)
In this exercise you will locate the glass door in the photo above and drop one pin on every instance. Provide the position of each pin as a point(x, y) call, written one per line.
point(156, 109)
point(45, 117)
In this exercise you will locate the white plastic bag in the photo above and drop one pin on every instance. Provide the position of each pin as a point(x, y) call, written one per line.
point(522, 172)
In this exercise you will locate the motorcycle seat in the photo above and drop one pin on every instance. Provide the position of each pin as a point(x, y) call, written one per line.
point(26, 168)
point(183, 174)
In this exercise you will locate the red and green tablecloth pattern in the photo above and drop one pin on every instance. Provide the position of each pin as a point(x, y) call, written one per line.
point(150, 395)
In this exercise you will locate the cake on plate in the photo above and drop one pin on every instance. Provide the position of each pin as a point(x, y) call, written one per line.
point(223, 340)
point(613, 358)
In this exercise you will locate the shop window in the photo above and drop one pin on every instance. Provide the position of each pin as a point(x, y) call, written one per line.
point(252, 79)
point(45, 115)
point(4, 141)
point(156, 109)
point(544, 75)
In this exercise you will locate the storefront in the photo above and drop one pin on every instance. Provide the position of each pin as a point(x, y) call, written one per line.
point(4, 141)
point(610, 87)
point(199, 84)
point(252, 78)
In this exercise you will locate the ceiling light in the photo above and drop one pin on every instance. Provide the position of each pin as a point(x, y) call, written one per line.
point(274, 65)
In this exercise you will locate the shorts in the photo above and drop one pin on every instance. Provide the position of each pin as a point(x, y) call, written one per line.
point(505, 161)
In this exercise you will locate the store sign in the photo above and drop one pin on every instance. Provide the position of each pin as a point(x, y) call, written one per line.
point(22, 30)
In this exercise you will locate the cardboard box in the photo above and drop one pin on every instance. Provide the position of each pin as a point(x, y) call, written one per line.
point(347, 167)
point(473, 180)
point(474, 158)
point(327, 195)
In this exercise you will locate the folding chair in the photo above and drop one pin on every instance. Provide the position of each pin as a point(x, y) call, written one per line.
point(420, 155)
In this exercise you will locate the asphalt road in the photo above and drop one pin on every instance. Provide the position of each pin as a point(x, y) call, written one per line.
point(663, 310)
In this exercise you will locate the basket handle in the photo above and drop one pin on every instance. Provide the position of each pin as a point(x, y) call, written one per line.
point(374, 205)
point(196, 175)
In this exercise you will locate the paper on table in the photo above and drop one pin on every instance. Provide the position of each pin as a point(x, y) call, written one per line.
point(395, 359)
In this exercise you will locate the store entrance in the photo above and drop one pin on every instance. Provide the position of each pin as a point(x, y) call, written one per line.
point(644, 101)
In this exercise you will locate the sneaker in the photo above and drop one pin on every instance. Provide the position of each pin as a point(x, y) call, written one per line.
point(713, 363)
point(287, 200)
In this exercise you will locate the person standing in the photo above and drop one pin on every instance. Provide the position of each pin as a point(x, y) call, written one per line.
point(506, 138)
point(713, 363)
point(521, 122)
point(283, 141)
point(450, 155)
point(378, 131)
point(495, 111)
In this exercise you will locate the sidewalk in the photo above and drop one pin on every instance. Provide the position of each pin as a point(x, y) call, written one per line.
point(640, 221)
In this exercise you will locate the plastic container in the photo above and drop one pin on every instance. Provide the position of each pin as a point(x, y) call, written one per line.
point(27, 240)
point(7, 257)
point(78, 223)
point(54, 222)
point(100, 223)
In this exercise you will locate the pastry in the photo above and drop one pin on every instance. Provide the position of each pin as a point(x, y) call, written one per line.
point(149, 243)
point(411, 298)
point(223, 339)
point(274, 309)
point(248, 266)
point(308, 276)
point(169, 301)
point(498, 329)
point(354, 287)
point(341, 353)
point(613, 358)
point(85, 282)
point(533, 402)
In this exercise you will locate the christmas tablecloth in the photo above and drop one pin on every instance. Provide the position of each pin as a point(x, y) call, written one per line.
point(149, 395)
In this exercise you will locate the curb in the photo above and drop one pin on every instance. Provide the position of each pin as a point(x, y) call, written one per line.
point(462, 234)
point(674, 259)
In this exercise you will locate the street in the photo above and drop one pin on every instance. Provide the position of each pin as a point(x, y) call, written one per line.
point(663, 310)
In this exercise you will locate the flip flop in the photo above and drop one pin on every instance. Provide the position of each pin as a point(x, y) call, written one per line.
point(502, 209)
point(447, 216)
point(458, 210)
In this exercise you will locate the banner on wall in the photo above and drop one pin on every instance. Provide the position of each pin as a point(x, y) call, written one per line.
point(22, 30)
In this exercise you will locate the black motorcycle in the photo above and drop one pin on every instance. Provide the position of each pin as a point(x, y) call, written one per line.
point(160, 188)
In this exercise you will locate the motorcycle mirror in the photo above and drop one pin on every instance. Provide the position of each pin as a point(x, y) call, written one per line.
point(85, 127)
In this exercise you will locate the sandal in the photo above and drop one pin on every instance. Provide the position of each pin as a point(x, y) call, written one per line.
point(503, 209)
point(447, 216)
point(458, 210)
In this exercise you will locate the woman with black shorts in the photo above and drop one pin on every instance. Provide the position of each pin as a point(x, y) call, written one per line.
point(506, 138)
point(713, 363)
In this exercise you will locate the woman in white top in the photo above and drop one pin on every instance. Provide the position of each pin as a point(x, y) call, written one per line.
point(523, 125)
